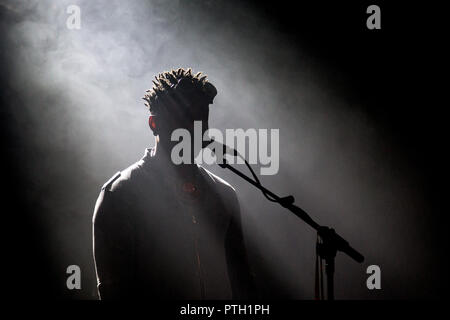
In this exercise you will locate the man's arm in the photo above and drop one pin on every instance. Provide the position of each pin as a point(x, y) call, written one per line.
point(241, 278)
point(113, 241)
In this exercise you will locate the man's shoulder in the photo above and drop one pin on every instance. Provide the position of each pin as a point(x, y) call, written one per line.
point(224, 190)
point(108, 184)
point(220, 183)
point(125, 178)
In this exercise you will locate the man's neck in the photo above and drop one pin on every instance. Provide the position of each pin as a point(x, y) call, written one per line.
point(163, 154)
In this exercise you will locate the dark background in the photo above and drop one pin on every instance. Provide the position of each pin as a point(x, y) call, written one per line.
point(377, 175)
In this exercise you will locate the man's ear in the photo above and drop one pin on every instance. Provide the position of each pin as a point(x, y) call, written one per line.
point(152, 125)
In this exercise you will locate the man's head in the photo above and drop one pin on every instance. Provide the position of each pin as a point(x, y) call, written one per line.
point(177, 99)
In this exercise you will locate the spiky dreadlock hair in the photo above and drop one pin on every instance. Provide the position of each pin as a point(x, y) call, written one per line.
point(177, 85)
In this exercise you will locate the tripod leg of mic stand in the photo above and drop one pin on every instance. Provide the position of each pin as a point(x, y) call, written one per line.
point(330, 277)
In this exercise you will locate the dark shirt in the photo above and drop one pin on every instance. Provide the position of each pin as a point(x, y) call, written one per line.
point(159, 236)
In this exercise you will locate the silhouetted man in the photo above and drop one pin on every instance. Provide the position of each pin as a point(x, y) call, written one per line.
point(169, 231)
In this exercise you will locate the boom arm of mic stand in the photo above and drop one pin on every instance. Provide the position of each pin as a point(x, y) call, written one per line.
point(328, 235)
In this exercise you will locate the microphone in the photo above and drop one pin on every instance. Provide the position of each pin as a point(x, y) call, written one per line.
point(214, 145)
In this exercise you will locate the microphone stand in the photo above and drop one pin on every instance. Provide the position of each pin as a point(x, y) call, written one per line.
point(331, 241)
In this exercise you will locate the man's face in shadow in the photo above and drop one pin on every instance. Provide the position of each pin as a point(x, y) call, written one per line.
point(181, 113)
